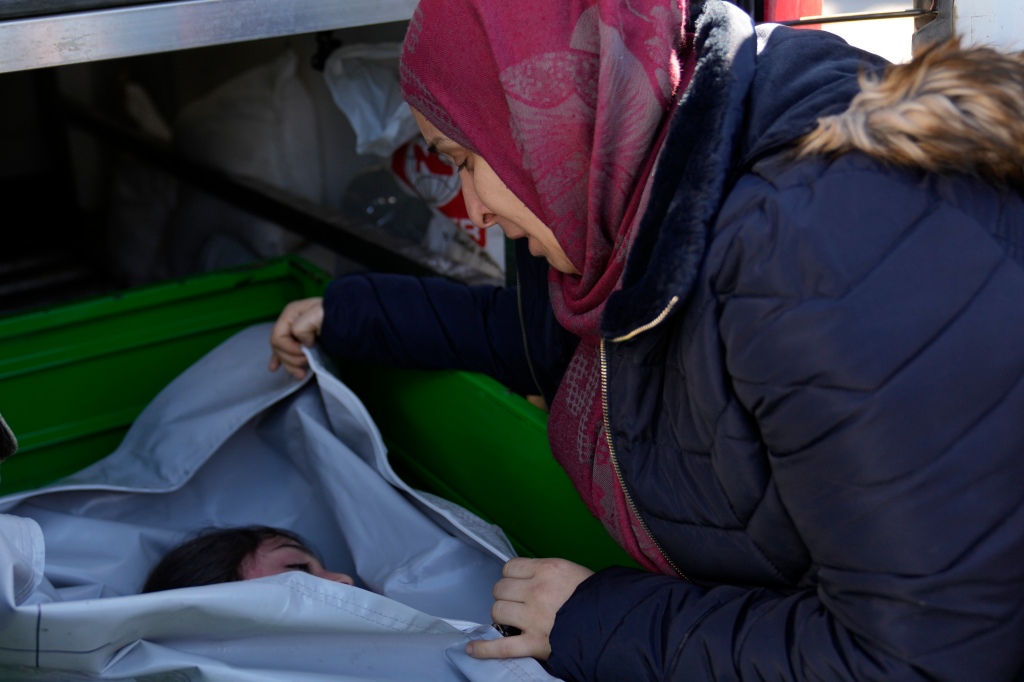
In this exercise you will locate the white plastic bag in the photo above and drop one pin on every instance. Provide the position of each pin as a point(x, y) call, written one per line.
point(260, 125)
point(363, 81)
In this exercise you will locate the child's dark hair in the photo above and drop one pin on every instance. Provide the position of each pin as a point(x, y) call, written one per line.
point(213, 556)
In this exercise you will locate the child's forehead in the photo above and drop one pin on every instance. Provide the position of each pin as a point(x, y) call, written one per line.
point(276, 542)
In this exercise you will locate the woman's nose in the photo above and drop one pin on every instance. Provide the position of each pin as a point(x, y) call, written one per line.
point(479, 214)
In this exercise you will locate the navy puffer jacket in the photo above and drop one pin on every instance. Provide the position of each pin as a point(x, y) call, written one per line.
point(815, 389)
point(815, 386)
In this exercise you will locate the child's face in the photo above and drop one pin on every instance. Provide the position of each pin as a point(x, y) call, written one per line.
point(278, 555)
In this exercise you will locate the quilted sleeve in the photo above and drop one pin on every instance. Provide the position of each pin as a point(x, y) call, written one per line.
point(508, 333)
point(426, 323)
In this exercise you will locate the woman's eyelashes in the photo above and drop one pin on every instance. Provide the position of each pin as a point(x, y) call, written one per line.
point(304, 567)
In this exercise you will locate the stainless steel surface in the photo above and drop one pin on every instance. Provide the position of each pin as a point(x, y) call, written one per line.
point(939, 27)
point(889, 38)
point(145, 29)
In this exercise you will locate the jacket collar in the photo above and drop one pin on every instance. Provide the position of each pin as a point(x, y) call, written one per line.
point(753, 93)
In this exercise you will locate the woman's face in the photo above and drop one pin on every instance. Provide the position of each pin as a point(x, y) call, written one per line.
point(490, 202)
point(278, 555)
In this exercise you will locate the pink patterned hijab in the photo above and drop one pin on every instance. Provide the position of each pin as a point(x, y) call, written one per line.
point(568, 102)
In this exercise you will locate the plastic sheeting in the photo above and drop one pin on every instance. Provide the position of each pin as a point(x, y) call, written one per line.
point(229, 443)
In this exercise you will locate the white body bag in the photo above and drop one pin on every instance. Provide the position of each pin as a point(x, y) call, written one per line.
point(228, 443)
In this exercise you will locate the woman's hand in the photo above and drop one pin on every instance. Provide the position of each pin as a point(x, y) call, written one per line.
point(528, 597)
point(298, 325)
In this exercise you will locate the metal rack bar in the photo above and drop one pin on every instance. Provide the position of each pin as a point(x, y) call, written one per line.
point(858, 16)
point(85, 36)
point(365, 245)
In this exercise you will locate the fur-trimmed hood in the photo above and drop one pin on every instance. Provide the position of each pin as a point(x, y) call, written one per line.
point(950, 109)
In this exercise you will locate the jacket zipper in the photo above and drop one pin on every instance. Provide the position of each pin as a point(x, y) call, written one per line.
point(611, 447)
point(650, 325)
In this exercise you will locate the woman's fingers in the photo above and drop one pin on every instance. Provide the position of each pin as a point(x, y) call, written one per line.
point(520, 567)
point(306, 326)
point(298, 325)
point(528, 597)
point(522, 645)
point(514, 613)
point(294, 364)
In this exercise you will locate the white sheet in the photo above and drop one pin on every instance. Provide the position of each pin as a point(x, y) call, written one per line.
point(228, 443)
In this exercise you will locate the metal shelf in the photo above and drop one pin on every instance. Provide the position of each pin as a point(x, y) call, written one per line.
point(54, 35)
point(91, 35)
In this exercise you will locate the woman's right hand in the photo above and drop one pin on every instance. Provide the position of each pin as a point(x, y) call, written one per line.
point(298, 325)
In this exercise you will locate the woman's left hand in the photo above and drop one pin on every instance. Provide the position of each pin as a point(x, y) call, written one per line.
point(528, 597)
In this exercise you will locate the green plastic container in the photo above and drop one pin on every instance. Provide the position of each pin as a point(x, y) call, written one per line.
point(74, 377)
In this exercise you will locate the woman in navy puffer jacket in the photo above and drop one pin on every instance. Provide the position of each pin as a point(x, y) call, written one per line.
point(800, 405)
